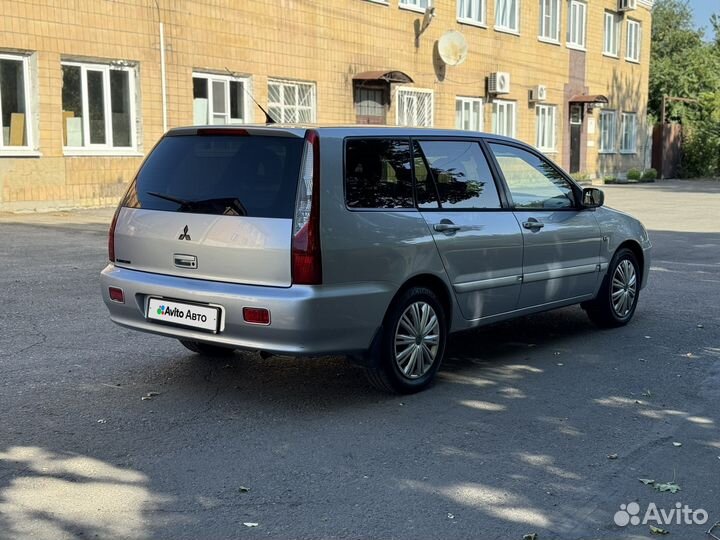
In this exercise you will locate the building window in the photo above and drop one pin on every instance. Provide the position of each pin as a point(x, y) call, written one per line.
point(576, 24)
point(469, 113)
point(471, 11)
point(632, 52)
point(98, 106)
point(545, 127)
point(629, 133)
point(506, 15)
point(611, 37)
point(291, 102)
point(15, 124)
point(550, 20)
point(220, 99)
point(503, 118)
point(607, 131)
point(418, 5)
point(414, 107)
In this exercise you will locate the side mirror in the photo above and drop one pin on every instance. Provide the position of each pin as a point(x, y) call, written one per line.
point(592, 198)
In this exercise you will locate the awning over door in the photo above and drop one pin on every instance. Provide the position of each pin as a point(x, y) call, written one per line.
point(597, 98)
point(386, 76)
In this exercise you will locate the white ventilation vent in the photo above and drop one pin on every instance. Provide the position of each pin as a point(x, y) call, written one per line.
point(627, 5)
point(499, 83)
point(539, 93)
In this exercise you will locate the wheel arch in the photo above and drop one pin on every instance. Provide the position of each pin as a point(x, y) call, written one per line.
point(637, 250)
point(435, 284)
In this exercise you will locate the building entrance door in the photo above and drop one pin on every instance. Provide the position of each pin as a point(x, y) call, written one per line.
point(576, 120)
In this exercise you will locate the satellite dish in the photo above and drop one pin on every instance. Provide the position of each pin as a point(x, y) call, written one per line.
point(452, 48)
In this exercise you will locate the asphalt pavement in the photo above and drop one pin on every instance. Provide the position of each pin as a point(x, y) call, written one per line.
point(541, 425)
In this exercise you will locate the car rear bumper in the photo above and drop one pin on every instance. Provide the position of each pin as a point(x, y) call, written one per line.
point(305, 320)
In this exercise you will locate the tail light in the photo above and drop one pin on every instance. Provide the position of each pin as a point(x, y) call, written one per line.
point(306, 261)
point(111, 235)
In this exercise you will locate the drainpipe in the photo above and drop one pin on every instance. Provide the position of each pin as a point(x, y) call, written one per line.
point(162, 68)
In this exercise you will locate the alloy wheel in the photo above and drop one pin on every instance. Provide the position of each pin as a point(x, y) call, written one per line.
point(417, 340)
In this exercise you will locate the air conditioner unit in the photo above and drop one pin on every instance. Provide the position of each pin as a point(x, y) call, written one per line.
point(539, 93)
point(627, 5)
point(499, 83)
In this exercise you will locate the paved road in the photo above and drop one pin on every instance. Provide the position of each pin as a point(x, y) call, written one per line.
point(512, 440)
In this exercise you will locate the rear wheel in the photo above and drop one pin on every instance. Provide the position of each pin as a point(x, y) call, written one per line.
point(206, 349)
point(618, 297)
point(412, 344)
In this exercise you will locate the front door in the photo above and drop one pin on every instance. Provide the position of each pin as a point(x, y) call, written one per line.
point(562, 242)
point(480, 243)
point(576, 121)
point(371, 103)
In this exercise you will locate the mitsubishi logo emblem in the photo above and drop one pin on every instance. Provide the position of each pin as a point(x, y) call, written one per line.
point(184, 235)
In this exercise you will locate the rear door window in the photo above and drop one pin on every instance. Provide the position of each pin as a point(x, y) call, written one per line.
point(378, 173)
point(253, 176)
point(461, 175)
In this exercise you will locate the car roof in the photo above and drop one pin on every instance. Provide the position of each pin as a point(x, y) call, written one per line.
point(351, 130)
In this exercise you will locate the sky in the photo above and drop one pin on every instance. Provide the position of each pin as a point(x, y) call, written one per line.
point(702, 10)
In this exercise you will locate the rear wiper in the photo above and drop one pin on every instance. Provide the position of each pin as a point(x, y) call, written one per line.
point(232, 203)
point(181, 202)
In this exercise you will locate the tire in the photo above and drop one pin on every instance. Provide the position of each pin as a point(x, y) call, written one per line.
point(606, 311)
point(412, 346)
point(206, 349)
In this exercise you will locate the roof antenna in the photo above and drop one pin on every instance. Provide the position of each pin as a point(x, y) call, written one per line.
point(268, 118)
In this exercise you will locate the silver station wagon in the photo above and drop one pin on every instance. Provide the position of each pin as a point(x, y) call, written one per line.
point(372, 242)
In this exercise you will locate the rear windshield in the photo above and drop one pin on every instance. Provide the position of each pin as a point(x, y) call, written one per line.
point(253, 176)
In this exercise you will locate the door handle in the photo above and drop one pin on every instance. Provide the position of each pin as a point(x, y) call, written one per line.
point(446, 227)
point(533, 224)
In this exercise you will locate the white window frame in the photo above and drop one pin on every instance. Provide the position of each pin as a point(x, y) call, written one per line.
point(107, 148)
point(628, 137)
point(605, 117)
point(502, 26)
point(477, 9)
point(611, 34)
point(408, 92)
point(507, 106)
point(577, 25)
point(467, 103)
point(547, 18)
point(225, 79)
point(633, 41)
point(30, 147)
point(415, 5)
point(545, 128)
point(288, 83)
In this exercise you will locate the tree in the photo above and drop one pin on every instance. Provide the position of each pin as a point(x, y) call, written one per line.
point(681, 62)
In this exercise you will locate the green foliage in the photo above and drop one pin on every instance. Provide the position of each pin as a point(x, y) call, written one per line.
point(609, 180)
point(580, 177)
point(649, 175)
point(701, 139)
point(683, 64)
point(634, 174)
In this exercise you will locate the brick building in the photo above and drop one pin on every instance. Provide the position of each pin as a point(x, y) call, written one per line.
point(88, 86)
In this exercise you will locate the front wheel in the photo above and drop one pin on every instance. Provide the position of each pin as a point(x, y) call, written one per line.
point(619, 294)
point(206, 349)
point(412, 343)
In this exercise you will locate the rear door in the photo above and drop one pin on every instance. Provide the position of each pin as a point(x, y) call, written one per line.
point(562, 241)
point(479, 241)
point(214, 204)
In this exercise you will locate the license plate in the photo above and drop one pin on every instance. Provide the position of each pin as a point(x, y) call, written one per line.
point(191, 315)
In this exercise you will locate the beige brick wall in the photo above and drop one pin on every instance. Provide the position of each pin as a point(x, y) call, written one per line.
point(322, 41)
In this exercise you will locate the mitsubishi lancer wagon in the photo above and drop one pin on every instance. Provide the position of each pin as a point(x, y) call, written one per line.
point(372, 242)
